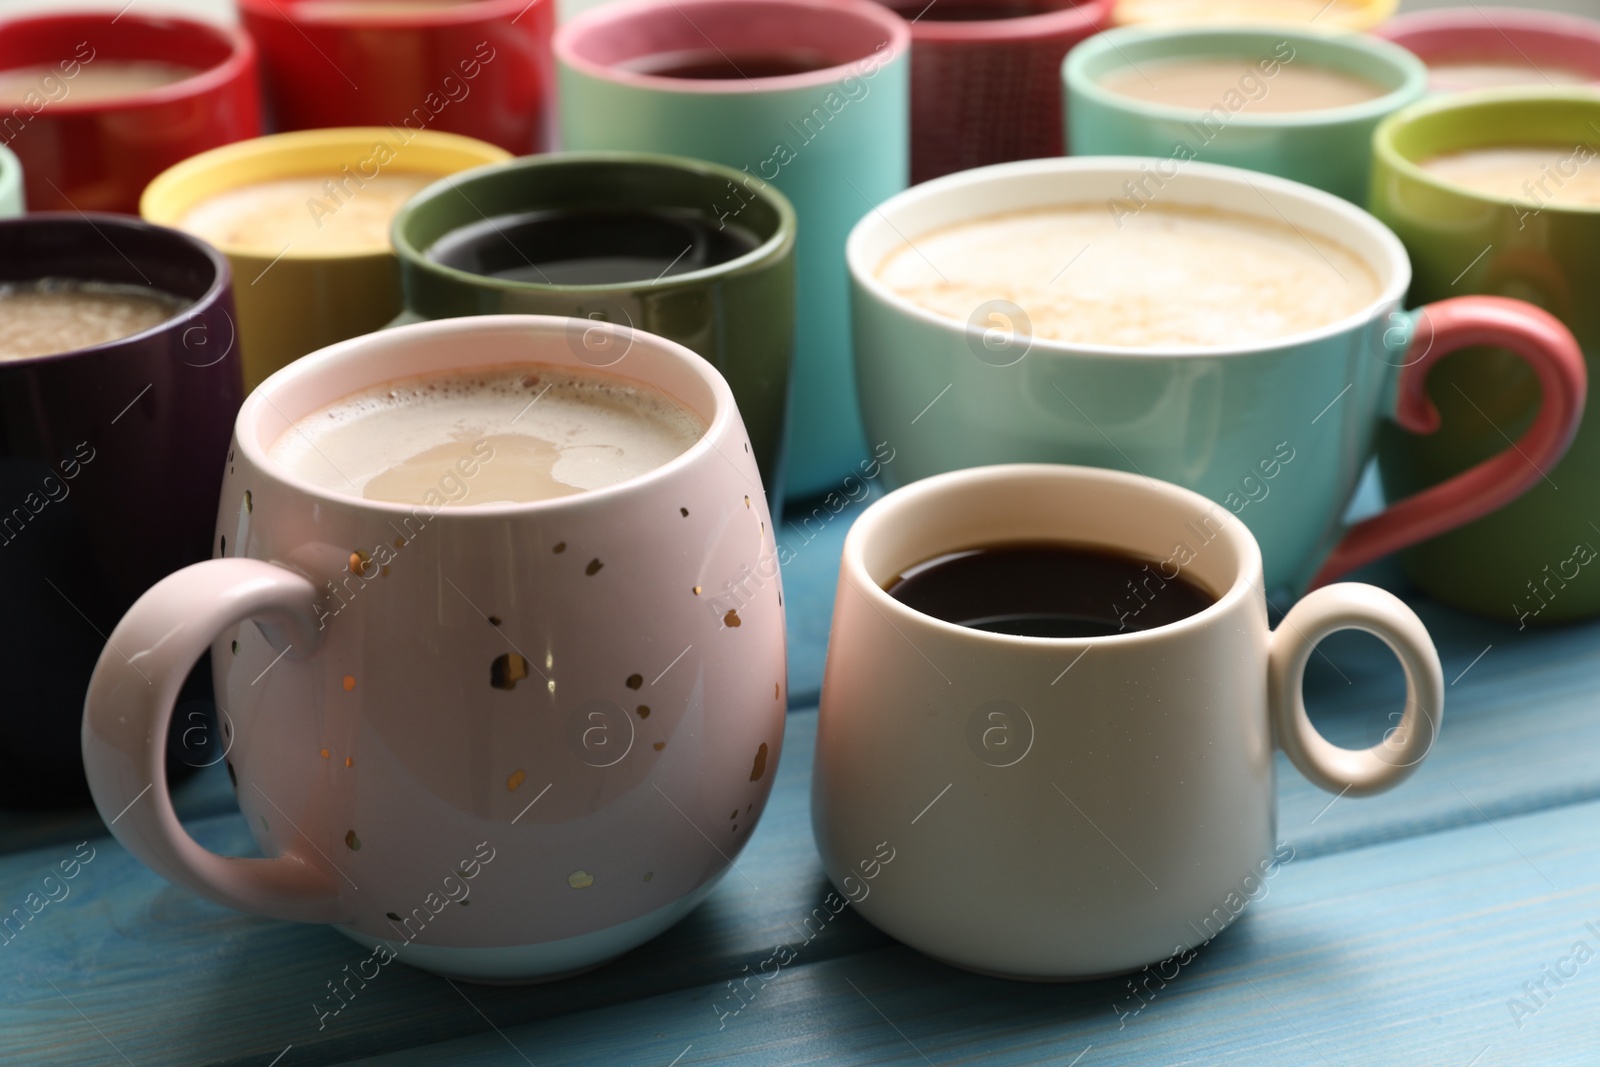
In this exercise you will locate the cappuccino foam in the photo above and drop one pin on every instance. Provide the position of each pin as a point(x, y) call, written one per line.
point(1163, 277)
point(312, 213)
point(493, 435)
point(1203, 83)
point(58, 315)
point(1544, 174)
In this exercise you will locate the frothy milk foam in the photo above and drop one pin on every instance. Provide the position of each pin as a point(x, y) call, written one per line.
point(1165, 276)
point(494, 435)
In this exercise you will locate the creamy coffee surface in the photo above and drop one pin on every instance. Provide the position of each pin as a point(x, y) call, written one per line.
point(1545, 174)
point(1189, 11)
point(45, 317)
point(95, 82)
point(1459, 75)
point(1165, 277)
point(494, 435)
point(1204, 83)
point(304, 214)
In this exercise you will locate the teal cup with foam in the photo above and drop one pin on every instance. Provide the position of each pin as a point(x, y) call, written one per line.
point(832, 134)
point(10, 184)
point(1328, 148)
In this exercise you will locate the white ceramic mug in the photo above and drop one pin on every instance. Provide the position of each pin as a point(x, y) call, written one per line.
point(1070, 808)
point(503, 741)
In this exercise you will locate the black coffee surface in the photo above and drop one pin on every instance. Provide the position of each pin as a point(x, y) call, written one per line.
point(592, 247)
point(1050, 589)
point(711, 64)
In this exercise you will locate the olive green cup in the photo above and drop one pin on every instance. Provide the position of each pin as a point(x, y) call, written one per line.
point(738, 314)
point(1533, 561)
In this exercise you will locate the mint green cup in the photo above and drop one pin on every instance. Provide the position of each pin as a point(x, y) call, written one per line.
point(1329, 148)
point(1276, 431)
point(1535, 561)
point(11, 203)
point(834, 139)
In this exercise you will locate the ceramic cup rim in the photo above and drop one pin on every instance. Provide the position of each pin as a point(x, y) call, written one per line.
point(477, 11)
point(1487, 22)
point(293, 142)
point(1086, 15)
point(863, 273)
point(772, 249)
point(888, 509)
point(1387, 154)
point(572, 37)
point(102, 223)
point(1170, 43)
point(10, 171)
point(260, 403)
point(240, 60)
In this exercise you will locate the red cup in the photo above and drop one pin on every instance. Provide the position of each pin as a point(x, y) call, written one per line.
point(481, 69)
point(98, 155)
point(986, 78)
point(1543, 44)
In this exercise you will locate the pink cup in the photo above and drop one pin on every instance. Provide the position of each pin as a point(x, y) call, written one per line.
point(1544, 44)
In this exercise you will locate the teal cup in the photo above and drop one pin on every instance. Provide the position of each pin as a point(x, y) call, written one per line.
point(11, 203)
point(1276, 431)
point(1238, 121)
point(811, 96)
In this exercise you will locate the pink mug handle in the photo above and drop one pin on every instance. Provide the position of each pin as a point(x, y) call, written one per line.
point(1550, 350)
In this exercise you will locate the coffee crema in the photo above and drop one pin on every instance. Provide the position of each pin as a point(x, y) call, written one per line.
point(95, 82)
point(507, 434)
point(313, 213)
point(1203, 83)
point(592, 246)
point(703, 64)
point(1458, 75)
point(49, 316)
point(1049, 589)
point(1545, 174)
point(1162, 277)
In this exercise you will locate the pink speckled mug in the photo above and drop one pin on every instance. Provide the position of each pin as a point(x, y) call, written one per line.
point(500, 742)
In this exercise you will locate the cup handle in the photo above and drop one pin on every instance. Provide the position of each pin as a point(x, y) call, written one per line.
point(129, 707)
point(1548, 348)
point(1353, 606)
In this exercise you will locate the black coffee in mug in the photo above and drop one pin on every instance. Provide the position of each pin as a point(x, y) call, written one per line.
point(624, 246)
point(717, 65)
point(1050, 589)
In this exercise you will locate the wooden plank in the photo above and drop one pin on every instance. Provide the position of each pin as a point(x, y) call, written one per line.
point(1405, 953)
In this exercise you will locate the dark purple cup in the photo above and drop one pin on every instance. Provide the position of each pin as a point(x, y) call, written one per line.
point(111, 459)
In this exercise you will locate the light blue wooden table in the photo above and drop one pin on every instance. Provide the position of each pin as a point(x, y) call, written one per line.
point(1433, 925)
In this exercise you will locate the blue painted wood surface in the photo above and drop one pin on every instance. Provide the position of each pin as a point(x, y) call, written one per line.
point(1398, 935)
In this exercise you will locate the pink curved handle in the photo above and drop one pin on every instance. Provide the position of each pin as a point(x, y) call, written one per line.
point(129, 707)
point(1550, 350)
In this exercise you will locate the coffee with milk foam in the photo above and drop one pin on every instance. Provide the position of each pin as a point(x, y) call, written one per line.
point(496, 435)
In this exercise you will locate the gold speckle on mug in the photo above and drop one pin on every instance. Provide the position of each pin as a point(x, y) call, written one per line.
point(634, 681)
point(580, 879)
point(684, 512)
point(352, 842)
point(348, 762)
point(734, 814)
point(774, 690)
point(349, 682)
point(494, 620)
point(399, 542)
point(249, 505)
point(659, 745)
point(747, 500)
point(649, 875)
point(735, 828)
point(593, 568)
point(325, 754)
point(223, 551)
point(392, 916)
point(507, 670)
point(760, 766)
point(516, 779)
point(236, 648)
point(560, 547)
point(358, 562)
point(383, 572)
point(731, 619)
point(697, 590)
point(643, 710)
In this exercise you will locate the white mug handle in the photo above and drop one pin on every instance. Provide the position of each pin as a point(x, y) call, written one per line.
point(1353, 606)
point(129, 707)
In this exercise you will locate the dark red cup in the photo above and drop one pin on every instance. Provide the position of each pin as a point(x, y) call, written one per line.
point(986, 78)
point(482, 68)
point(111, 462)
point(89, 155)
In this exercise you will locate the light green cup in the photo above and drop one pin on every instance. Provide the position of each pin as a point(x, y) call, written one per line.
point(1329, 148)
point(11, 203)
point(1534, 561)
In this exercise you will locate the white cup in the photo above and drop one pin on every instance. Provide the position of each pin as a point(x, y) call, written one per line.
point(1071, 808)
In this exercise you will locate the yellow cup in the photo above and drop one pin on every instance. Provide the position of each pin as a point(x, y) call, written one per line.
point(1332, 14)
point(293, 301)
